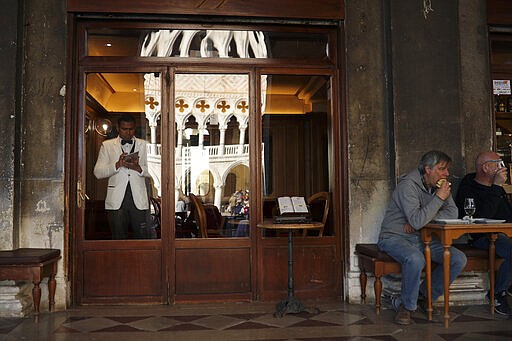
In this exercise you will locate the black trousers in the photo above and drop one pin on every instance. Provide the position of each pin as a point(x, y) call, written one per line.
point(128, 215)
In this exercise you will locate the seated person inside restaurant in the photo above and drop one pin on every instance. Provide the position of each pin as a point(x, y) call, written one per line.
point(417, 200)
point(485, 187)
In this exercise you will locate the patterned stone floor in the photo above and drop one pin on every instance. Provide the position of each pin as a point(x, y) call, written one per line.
point(250, 321)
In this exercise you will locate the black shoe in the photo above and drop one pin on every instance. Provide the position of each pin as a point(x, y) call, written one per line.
point(500, 304)
point(423, 307)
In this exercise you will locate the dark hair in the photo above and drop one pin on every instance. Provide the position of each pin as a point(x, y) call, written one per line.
point(126, 118)
point(431, 159)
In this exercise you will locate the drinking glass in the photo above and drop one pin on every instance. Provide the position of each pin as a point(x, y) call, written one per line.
point(469, 207)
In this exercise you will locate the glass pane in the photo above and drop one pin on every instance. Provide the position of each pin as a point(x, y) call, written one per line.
point(296, 133)
point(212, 155)
point(207, 43)
point(122, 117)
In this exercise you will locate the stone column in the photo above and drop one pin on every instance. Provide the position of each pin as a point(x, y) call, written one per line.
point(201, 136)
point(242, 139)
point(10, 116)
point(222, 140)
point(218, 195)
point(179, 147)
point(34, 134)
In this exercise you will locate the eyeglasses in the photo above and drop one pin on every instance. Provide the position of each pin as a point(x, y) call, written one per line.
point(501, 164)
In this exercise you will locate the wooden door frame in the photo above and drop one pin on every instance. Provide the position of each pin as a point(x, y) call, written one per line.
point(253, 68)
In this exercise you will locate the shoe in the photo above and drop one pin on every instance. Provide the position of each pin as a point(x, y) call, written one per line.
point(403, 316)
point(423, 307)
point(509, 291)
point(500, 304)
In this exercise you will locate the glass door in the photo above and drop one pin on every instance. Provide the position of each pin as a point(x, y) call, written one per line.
point(212, 185)
point(212, 155)
point(119, 194)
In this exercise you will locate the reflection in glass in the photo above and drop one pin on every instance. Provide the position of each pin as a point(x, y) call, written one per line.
point(103, 126)
point(207, 43)
point(212, 155)
point(296, 134)
point(108, 96)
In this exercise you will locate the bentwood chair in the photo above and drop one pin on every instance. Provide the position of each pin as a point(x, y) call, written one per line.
point(319, 208)
point(208, 218)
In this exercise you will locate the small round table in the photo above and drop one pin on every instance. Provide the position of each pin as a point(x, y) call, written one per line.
point(290, 305)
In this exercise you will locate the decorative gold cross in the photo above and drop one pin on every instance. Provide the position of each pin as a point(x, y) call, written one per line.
point(243, 106)
point(223, 106)
point(181, 105)
point(202, 105)
point(152, 103)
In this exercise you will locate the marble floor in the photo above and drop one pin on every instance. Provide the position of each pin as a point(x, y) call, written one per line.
point(250, 321)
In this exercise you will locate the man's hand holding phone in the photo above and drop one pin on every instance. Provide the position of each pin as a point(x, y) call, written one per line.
point(130, 161)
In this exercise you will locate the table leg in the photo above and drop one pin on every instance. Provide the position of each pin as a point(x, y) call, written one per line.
point(291, 304)
point(52, 285)
point(428, 278)
point(446, 268)
point(36, 296)
point(492, 255)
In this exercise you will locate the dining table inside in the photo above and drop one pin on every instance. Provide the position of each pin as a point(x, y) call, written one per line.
point(449, 230)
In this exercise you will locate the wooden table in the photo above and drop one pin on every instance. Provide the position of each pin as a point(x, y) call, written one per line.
point(446, 234)
point(290, 305)
point(33, 265)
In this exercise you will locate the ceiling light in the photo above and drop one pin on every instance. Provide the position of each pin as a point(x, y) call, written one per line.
point(108, 44)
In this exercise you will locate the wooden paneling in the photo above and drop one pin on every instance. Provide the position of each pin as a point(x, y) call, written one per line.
point(314, 266)
point(298, 147)
point(122, 273)
point(213, 271)
point(499, 12)
point(325, 9)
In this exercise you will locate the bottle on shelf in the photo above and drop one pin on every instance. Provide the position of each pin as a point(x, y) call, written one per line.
point(501, 105)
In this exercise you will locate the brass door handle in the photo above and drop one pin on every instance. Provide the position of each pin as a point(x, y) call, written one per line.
point(82, 196)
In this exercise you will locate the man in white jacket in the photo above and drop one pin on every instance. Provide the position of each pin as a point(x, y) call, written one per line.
point(127, 199)
point(419, 197)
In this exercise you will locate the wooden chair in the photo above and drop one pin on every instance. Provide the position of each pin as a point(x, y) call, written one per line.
point(319, 207)
point(208, 218)
point(156, 218)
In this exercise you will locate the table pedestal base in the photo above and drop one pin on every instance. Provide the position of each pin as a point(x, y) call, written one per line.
point(291, 305)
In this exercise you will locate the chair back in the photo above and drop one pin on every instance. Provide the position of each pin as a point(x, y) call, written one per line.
point(199, 214)
point(319, 207)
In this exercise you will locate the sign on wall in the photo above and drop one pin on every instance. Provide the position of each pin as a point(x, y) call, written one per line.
point(501, 86)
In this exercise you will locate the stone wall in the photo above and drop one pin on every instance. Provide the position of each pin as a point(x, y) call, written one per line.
point(34, 62)
point(430, 89)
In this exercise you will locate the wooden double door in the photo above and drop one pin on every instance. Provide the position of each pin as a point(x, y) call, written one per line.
point(237, 126)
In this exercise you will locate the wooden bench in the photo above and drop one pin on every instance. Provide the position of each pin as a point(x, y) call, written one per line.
point(371, 259)
point(33, 265)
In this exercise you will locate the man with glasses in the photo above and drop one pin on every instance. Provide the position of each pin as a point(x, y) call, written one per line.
point(485, 187)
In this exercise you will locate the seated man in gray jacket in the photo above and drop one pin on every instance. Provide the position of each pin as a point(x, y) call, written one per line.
point(419, 197)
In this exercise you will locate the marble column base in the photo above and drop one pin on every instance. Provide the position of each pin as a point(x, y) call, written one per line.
point(15, 299)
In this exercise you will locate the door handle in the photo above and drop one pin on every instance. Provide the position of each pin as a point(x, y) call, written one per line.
point(82, 196)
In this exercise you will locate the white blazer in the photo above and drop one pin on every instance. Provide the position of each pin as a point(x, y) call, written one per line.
point(118, 179)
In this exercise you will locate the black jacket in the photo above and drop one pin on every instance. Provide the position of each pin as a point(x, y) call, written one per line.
point(490, 201)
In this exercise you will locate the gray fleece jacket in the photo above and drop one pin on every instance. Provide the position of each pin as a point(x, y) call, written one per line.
point(411, 202)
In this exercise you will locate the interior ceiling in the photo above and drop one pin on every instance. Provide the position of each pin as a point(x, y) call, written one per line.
point(117, 92)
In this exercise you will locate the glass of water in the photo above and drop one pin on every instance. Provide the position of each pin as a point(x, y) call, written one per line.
point(469, 207)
